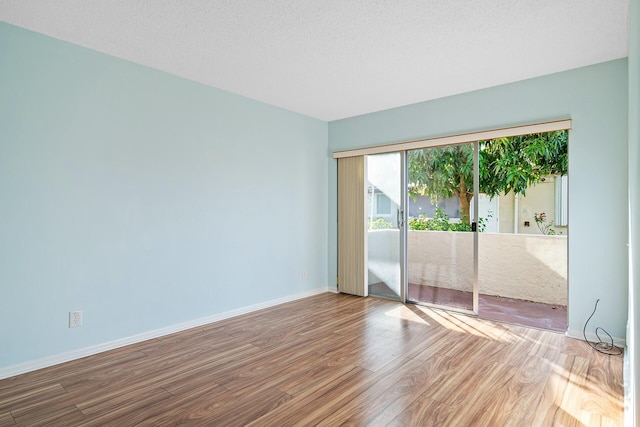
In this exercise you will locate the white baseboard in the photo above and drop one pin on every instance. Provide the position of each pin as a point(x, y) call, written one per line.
point(572, 333)
point(56, 359)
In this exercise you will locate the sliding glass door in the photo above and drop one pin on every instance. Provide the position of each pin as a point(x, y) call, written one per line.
point(421, 241)
point(418, 212)
point(441, 235)
point(384, 217)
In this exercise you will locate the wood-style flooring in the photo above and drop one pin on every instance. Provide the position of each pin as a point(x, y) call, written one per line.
point(330, 360)
point(520, 312)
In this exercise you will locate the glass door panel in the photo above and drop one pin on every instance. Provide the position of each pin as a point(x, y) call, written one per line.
point(384, 213)
point(440, 235)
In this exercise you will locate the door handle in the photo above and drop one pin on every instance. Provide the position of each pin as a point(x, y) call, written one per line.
point(400, 218)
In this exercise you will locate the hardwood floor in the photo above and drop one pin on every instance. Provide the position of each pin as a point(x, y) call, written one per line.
point(520, 312)
point(330, 360)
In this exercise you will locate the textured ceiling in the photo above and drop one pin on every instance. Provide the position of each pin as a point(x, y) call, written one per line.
point(332, 59)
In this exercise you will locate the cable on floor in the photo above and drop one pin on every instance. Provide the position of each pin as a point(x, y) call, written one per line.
point(601, 346)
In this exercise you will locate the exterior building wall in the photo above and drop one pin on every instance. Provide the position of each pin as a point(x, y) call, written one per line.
point(539, 198)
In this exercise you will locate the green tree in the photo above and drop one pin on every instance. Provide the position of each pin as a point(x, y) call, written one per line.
point(443, 172)
point(517, 162)
point(506, 164)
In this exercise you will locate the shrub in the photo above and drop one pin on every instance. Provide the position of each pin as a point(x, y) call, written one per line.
point(545, 227)
point(441, 222)
point(380, 224)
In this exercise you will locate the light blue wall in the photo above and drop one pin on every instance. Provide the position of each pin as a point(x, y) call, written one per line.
point(595, 98)
point(143, 199)
point(633, 338)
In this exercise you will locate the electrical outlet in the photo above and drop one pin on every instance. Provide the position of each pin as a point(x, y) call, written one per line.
point(304, 275)
point(75, 319)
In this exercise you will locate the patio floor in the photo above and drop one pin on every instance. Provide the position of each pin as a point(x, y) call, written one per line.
point(520, 312)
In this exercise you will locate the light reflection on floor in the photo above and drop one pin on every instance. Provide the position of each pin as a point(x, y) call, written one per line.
point(519, 312)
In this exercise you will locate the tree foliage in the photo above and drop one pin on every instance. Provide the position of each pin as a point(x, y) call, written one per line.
point(443, 172)
point(516, 163)
point(505, 164)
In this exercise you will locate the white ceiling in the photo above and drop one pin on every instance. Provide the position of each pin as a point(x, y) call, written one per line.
point(332, 59)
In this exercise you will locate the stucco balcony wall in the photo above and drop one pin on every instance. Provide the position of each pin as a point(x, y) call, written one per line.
point(521, 266)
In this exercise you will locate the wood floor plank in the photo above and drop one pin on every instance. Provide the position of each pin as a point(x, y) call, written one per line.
point(385, 399)
point(424, 412)
point(178, 408)
point(61, 402)
point(51, 416)
point(156, 372)
point(31, 396)
point(318, 402)
point(77, 370)
point(124, 409)
point(575, 394)
point(258, 367)
point(228, 409)
point(517, 389)
point(371, 354)
point(549, 406)
point(330, 360)
point(6, 420)
point(273, 374)
point(469, 395)
point(521, 394)
point(323, 370)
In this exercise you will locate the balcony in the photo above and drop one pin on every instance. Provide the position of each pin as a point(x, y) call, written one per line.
point(522, 278)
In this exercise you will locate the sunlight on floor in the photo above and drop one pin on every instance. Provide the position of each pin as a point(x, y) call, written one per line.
point(576, 391)
point(456, 322)
point(403, 312)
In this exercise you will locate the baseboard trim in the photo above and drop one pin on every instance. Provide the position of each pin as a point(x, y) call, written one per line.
point(56, 359)
point(572, 333)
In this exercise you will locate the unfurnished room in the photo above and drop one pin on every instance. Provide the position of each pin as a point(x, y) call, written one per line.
point(328, 212)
